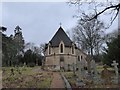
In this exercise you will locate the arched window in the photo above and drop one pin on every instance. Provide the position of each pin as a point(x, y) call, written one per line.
point(78, 58)
point(61, 48)
point(49, 50)
point(72, 49)
point(81, 57)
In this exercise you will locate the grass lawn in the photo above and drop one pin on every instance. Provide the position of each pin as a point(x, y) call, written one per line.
point(71, 78)
point(100, 68)
point(25, 77)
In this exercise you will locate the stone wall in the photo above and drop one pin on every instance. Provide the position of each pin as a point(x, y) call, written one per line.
point(53, 59)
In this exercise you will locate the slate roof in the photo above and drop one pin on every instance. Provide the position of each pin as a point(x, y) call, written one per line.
point(59, 36)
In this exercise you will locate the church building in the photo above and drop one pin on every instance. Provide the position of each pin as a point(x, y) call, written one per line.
point(62, 53)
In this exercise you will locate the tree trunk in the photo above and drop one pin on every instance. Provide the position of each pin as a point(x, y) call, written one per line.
point(91, 51)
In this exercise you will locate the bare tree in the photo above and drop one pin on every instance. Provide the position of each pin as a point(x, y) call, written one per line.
point(29, 45)
point(98, 7)
point(89, 35)
point(42, 49)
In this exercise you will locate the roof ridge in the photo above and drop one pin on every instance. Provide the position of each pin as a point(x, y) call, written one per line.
point(60, 35)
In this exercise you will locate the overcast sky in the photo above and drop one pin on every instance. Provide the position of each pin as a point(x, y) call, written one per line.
point(39, 21)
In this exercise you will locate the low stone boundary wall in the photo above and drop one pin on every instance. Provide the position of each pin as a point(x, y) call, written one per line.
point(68, 86)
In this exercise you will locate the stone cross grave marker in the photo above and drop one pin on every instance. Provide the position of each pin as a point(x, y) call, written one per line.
point(115, 67)
point(116, 71)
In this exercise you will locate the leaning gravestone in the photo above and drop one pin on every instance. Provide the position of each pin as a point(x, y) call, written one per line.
point(116, 72)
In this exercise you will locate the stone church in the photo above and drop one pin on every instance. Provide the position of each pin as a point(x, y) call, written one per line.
point(62, 53)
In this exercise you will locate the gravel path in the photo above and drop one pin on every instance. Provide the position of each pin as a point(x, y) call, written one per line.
point(57, 81)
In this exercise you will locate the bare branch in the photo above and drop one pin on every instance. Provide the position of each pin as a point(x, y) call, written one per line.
point(107, 8)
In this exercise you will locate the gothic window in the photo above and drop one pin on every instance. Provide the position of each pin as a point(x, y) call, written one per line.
point(81, 57)
point(49, 50)
point(72, 49)
point(78, 58)
point(61, 48)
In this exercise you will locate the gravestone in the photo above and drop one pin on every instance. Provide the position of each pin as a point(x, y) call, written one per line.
point(94, 68)
point(12, 71)
point(95, 77)
point(81, 70)
point(116, 72)
point(81, 73)
point(88, 75)
point(79, 83)
point(24, 64)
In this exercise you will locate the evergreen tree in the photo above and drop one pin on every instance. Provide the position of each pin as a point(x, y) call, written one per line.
point(112, 52)
point(12, 47)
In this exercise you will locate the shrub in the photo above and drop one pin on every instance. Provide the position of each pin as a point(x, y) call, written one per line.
point(31, 64)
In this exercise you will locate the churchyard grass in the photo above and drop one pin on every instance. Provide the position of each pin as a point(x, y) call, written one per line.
point(72, 79)
point(100, 68)
point(27, 78)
